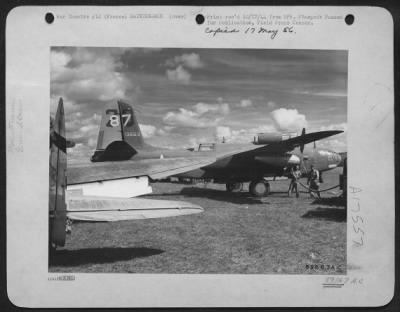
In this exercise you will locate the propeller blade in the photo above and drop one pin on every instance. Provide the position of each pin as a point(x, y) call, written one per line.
point(303, 133)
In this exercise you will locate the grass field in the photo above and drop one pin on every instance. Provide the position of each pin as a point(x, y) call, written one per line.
point(235, 234)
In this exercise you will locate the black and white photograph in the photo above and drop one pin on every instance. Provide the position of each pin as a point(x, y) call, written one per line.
point(248, 145)
point(199, 156)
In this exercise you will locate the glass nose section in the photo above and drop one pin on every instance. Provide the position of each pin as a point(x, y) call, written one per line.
point(334, 159)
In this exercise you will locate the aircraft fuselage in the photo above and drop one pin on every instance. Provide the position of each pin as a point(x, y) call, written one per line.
point(245, 167)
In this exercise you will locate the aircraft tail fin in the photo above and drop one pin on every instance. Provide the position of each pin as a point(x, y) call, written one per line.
point(119, 137)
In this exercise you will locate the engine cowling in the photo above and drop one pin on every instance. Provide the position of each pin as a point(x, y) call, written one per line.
point(269, 138)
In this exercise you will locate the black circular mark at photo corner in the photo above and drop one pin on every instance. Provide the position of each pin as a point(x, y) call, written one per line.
point(349, 19)
point(49, 17)
point(200, 19)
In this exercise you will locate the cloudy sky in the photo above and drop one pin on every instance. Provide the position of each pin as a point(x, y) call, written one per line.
point(187, 96)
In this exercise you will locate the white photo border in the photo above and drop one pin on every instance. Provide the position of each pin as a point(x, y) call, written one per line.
point(369, 42)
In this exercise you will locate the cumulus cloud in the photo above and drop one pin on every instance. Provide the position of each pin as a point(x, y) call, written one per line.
point(222, 133)
point(82, 75)
point(79, 152)
point(83, 130)
point(240, 135)
point(202, 108)
point(189, 119)
point(340, 126)
point(271, 104)
point(262, 129)
point(182, 63)
point(336, 145)
point(245, 103)
point(148, 131)
point(162, 132)
point(58, 63)
point(288, 119)
point(201, 115)
point(189, 60)
point(179, 74)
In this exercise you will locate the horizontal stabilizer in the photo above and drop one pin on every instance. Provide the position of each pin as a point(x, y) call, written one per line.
point(95, 208)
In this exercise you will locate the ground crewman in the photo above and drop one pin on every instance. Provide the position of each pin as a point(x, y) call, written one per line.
point(313, 182)
point(295, 175)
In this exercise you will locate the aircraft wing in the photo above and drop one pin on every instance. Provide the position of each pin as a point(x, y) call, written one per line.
point(161, 168)
point(283, 146)
point(154, 168)
point(303, 139)
point(95, 208)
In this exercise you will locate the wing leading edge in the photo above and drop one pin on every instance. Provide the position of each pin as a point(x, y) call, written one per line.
point(299, 141)
point(283, 146)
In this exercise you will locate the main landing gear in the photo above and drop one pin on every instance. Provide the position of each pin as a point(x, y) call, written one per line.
point(259, 188)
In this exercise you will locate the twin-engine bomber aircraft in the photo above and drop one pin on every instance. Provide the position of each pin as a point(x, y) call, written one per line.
point(121, 151)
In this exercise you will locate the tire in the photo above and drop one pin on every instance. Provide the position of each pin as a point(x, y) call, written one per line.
point(259, 188)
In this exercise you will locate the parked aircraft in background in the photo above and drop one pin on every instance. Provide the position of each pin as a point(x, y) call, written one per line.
point(121, 145)
point(105, 205)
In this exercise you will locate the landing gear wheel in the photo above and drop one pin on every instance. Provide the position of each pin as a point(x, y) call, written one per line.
point(232, 187)
point(259, 188)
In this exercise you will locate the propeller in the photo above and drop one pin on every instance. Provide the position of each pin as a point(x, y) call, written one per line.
point(303, 133)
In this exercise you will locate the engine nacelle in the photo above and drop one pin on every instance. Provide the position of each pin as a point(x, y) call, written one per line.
point(278, 160)
point(269, 138)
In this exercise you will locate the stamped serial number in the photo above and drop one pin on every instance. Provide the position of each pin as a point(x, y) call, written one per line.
point(62, 278)
point(324, 267)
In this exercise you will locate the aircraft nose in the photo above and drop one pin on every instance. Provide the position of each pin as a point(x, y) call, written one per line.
point(338, 158)
point(334, 160)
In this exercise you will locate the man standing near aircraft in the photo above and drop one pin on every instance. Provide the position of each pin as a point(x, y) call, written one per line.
point(313, 182)
point(294, 175)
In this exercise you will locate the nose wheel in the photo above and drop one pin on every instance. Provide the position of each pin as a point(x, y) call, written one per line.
point(259, 188)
